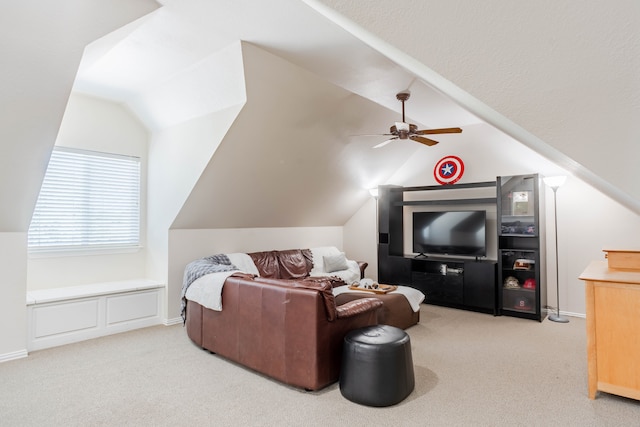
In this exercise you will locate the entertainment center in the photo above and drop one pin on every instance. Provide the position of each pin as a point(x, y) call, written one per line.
point(463, 256)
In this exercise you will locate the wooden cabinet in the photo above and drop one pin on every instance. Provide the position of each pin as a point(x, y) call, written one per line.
point(613, 324)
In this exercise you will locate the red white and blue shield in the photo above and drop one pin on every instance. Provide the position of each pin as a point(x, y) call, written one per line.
point(448, 170)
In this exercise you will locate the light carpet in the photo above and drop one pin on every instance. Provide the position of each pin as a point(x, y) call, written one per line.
point(471, 369)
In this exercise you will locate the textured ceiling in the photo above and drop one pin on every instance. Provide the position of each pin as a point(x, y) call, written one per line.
point(168, 52)
point(567, 72)
point(562, 80)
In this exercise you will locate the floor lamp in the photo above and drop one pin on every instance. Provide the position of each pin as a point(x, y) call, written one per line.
point(555, 182)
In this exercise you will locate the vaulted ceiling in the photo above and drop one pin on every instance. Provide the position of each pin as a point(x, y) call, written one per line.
point(560, 80)
point(42, 44)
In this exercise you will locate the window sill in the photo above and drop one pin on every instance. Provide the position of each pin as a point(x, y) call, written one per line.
point(76, 252)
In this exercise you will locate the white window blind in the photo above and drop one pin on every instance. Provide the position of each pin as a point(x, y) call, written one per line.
point(88, 200)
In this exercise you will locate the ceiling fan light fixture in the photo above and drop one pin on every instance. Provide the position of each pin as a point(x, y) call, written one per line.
point(401, 126)
point(404, 130)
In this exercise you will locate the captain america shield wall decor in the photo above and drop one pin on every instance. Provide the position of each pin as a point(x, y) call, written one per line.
point(448, 170)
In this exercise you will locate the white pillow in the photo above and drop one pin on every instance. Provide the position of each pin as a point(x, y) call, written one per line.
point(318, 262)
point(335, 262)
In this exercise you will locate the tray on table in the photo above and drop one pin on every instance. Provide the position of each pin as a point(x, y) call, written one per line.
point(382, 289)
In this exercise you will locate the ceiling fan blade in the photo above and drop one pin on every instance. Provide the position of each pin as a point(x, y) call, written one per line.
point(423, 140)
point(382, 144)
point(435, 131)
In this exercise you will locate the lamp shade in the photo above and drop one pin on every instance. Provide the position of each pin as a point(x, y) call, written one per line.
point(374, 192)
point(555, 181)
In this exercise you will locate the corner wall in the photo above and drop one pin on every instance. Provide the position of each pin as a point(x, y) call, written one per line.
point(13, 310)
point(41, 51)
point(361, 237)
point(588, 222)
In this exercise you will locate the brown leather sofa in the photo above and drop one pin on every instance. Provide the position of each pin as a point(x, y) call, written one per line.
point(283, 324)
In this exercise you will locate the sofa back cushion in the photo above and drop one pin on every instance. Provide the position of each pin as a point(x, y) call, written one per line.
point(295, 263)
point(266, 263)
point(286, 264)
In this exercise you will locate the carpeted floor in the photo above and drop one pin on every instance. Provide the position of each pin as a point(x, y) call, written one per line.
point(471, 369)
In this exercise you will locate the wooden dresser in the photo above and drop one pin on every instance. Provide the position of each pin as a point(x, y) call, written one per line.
point(613, 323)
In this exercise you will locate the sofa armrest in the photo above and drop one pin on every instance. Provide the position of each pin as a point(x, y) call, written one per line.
point(353, 308)
point(363, 266)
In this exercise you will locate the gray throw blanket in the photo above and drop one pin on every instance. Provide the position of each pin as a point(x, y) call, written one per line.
point(198, 268)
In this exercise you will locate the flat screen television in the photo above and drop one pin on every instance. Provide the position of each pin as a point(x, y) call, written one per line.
point(450, 233)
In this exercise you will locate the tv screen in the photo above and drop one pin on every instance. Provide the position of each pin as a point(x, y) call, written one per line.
point(450, 233)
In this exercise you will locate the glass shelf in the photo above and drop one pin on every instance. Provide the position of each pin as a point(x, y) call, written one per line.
point(519, 246)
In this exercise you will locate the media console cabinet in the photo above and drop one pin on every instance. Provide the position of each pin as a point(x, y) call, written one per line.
point(465, 283)
point(500, 286)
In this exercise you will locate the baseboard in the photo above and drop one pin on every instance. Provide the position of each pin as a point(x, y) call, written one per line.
point(571, 314)
point(564, 313)
point(171, 322)
point(13, 355)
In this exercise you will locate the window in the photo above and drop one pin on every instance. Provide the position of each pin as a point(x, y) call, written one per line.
point(88, 200)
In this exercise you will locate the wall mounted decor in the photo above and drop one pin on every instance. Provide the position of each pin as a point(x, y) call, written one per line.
point(448, 170)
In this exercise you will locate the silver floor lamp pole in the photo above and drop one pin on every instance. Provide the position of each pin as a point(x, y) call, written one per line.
point(555, 183)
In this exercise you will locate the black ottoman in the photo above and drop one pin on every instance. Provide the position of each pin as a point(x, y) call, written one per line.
point(377, 367)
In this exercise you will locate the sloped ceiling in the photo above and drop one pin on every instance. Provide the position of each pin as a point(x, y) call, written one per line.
point(149, 55)
point(42, 44)
point(547, 83)
point(288, 159)
point(567, 72)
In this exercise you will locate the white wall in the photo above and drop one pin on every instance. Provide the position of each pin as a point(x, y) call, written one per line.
point(588, 222)
point(42, 45)
point(361, 237)
point(94, 124)
point(13, 311)
point(177, 157)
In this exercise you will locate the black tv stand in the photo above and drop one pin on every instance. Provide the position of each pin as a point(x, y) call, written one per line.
point(468, 283)
point(459, 283)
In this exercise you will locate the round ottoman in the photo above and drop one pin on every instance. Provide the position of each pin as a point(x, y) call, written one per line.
point(377, 367)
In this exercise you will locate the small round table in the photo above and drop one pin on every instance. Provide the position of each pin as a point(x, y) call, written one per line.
point(377, 367)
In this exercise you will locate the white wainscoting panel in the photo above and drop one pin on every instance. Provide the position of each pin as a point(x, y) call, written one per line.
point(54, 319)
point(129, 307)
point(78, 313)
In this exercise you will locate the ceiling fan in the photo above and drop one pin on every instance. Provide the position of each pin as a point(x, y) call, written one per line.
point(404, 130)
